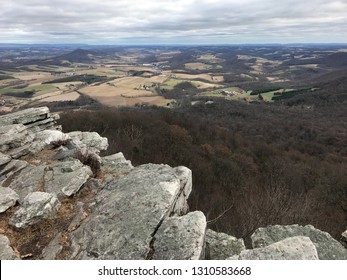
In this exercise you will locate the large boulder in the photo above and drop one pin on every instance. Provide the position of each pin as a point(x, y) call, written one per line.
point(327, 247)
point(293, 248)
point(18, 130)
point(91, 140)
point(116, 165)
point(36, 206)
point(128, 212)
point(6, 252)
point(8, 198)
point(14, 136)
point(47, 137)
point(30, 179)
point(180, 238)
point(27, 116)
point(220, 246)
point(66, 177)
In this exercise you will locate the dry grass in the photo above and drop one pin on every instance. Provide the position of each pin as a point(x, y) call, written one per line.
point(101, 71)
point(71, 96)
point(42, 156)
point(207, 77)
point(125, 91)
point(29, 242)
point(210, 58)
point(30, 76)
point(197, 66)
point(117, 101)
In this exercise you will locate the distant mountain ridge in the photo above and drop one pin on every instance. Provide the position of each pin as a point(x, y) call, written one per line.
point(79, 55)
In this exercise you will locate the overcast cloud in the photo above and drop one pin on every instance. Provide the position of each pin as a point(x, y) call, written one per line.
point(172, 21)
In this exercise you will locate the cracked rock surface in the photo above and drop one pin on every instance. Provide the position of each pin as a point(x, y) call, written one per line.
point(181, 238)
point(66, 177)
point(220, 246)
point(36, 206)
point(91, 140)
point(327, 247)
point(130, 211)
point(27, 181)
point(292, 248)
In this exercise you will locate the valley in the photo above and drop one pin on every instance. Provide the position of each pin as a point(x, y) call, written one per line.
point(263, 128)
point(160, 76)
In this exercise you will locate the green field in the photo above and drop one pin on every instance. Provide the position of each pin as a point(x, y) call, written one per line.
point(39, 89)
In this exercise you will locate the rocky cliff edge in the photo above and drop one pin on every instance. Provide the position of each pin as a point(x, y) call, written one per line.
point(60, 200)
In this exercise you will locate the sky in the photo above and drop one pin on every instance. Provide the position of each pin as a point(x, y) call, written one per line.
point(173, 21)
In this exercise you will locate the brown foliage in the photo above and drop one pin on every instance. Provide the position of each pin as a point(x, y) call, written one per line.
point(272, 164)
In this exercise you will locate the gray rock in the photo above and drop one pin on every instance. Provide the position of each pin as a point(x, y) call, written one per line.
point(54, 247)
point(66, 177)
point(128, 212)
point(181, 238)
point(293, 248)
point(36, 206)
point(185, 175)
point(78, 219)
point(114, 166)
point(6, 252)
point(344, 238)
point(344, 234)
point(4, 159)
point(8, 198)
point(92, 140)
point(46, 137)
point(63, 153)
point(327, 247)
point(14, 136)
point(20, 151)
point(29, 180)
point(45, 124)
point(220, 246)
point(27, 116)
point(114, 161)
point(9, 171)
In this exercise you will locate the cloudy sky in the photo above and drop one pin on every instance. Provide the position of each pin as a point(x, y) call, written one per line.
point(173, 21)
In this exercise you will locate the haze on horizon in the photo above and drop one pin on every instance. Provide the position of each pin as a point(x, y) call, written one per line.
point(173, 21)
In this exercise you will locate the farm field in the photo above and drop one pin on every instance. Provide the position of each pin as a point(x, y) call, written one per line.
point(129, 76)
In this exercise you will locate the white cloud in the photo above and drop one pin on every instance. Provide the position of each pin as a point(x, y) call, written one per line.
point(110, 21)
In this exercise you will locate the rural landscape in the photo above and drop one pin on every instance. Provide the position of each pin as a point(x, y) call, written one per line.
point(262, 127)
point(59, 76)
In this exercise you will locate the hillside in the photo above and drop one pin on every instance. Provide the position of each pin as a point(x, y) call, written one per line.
point(78, 56)
point(61, 200)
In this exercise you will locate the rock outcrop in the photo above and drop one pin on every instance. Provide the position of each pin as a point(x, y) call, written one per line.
point(327, 247)
point(18, 130)
point(293, 248)
point(220, 246)
point(143, 200)
point(36, 206)
point(92, 207)
point(66, 178)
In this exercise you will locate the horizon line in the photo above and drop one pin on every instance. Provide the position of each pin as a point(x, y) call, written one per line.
point(173, 44)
